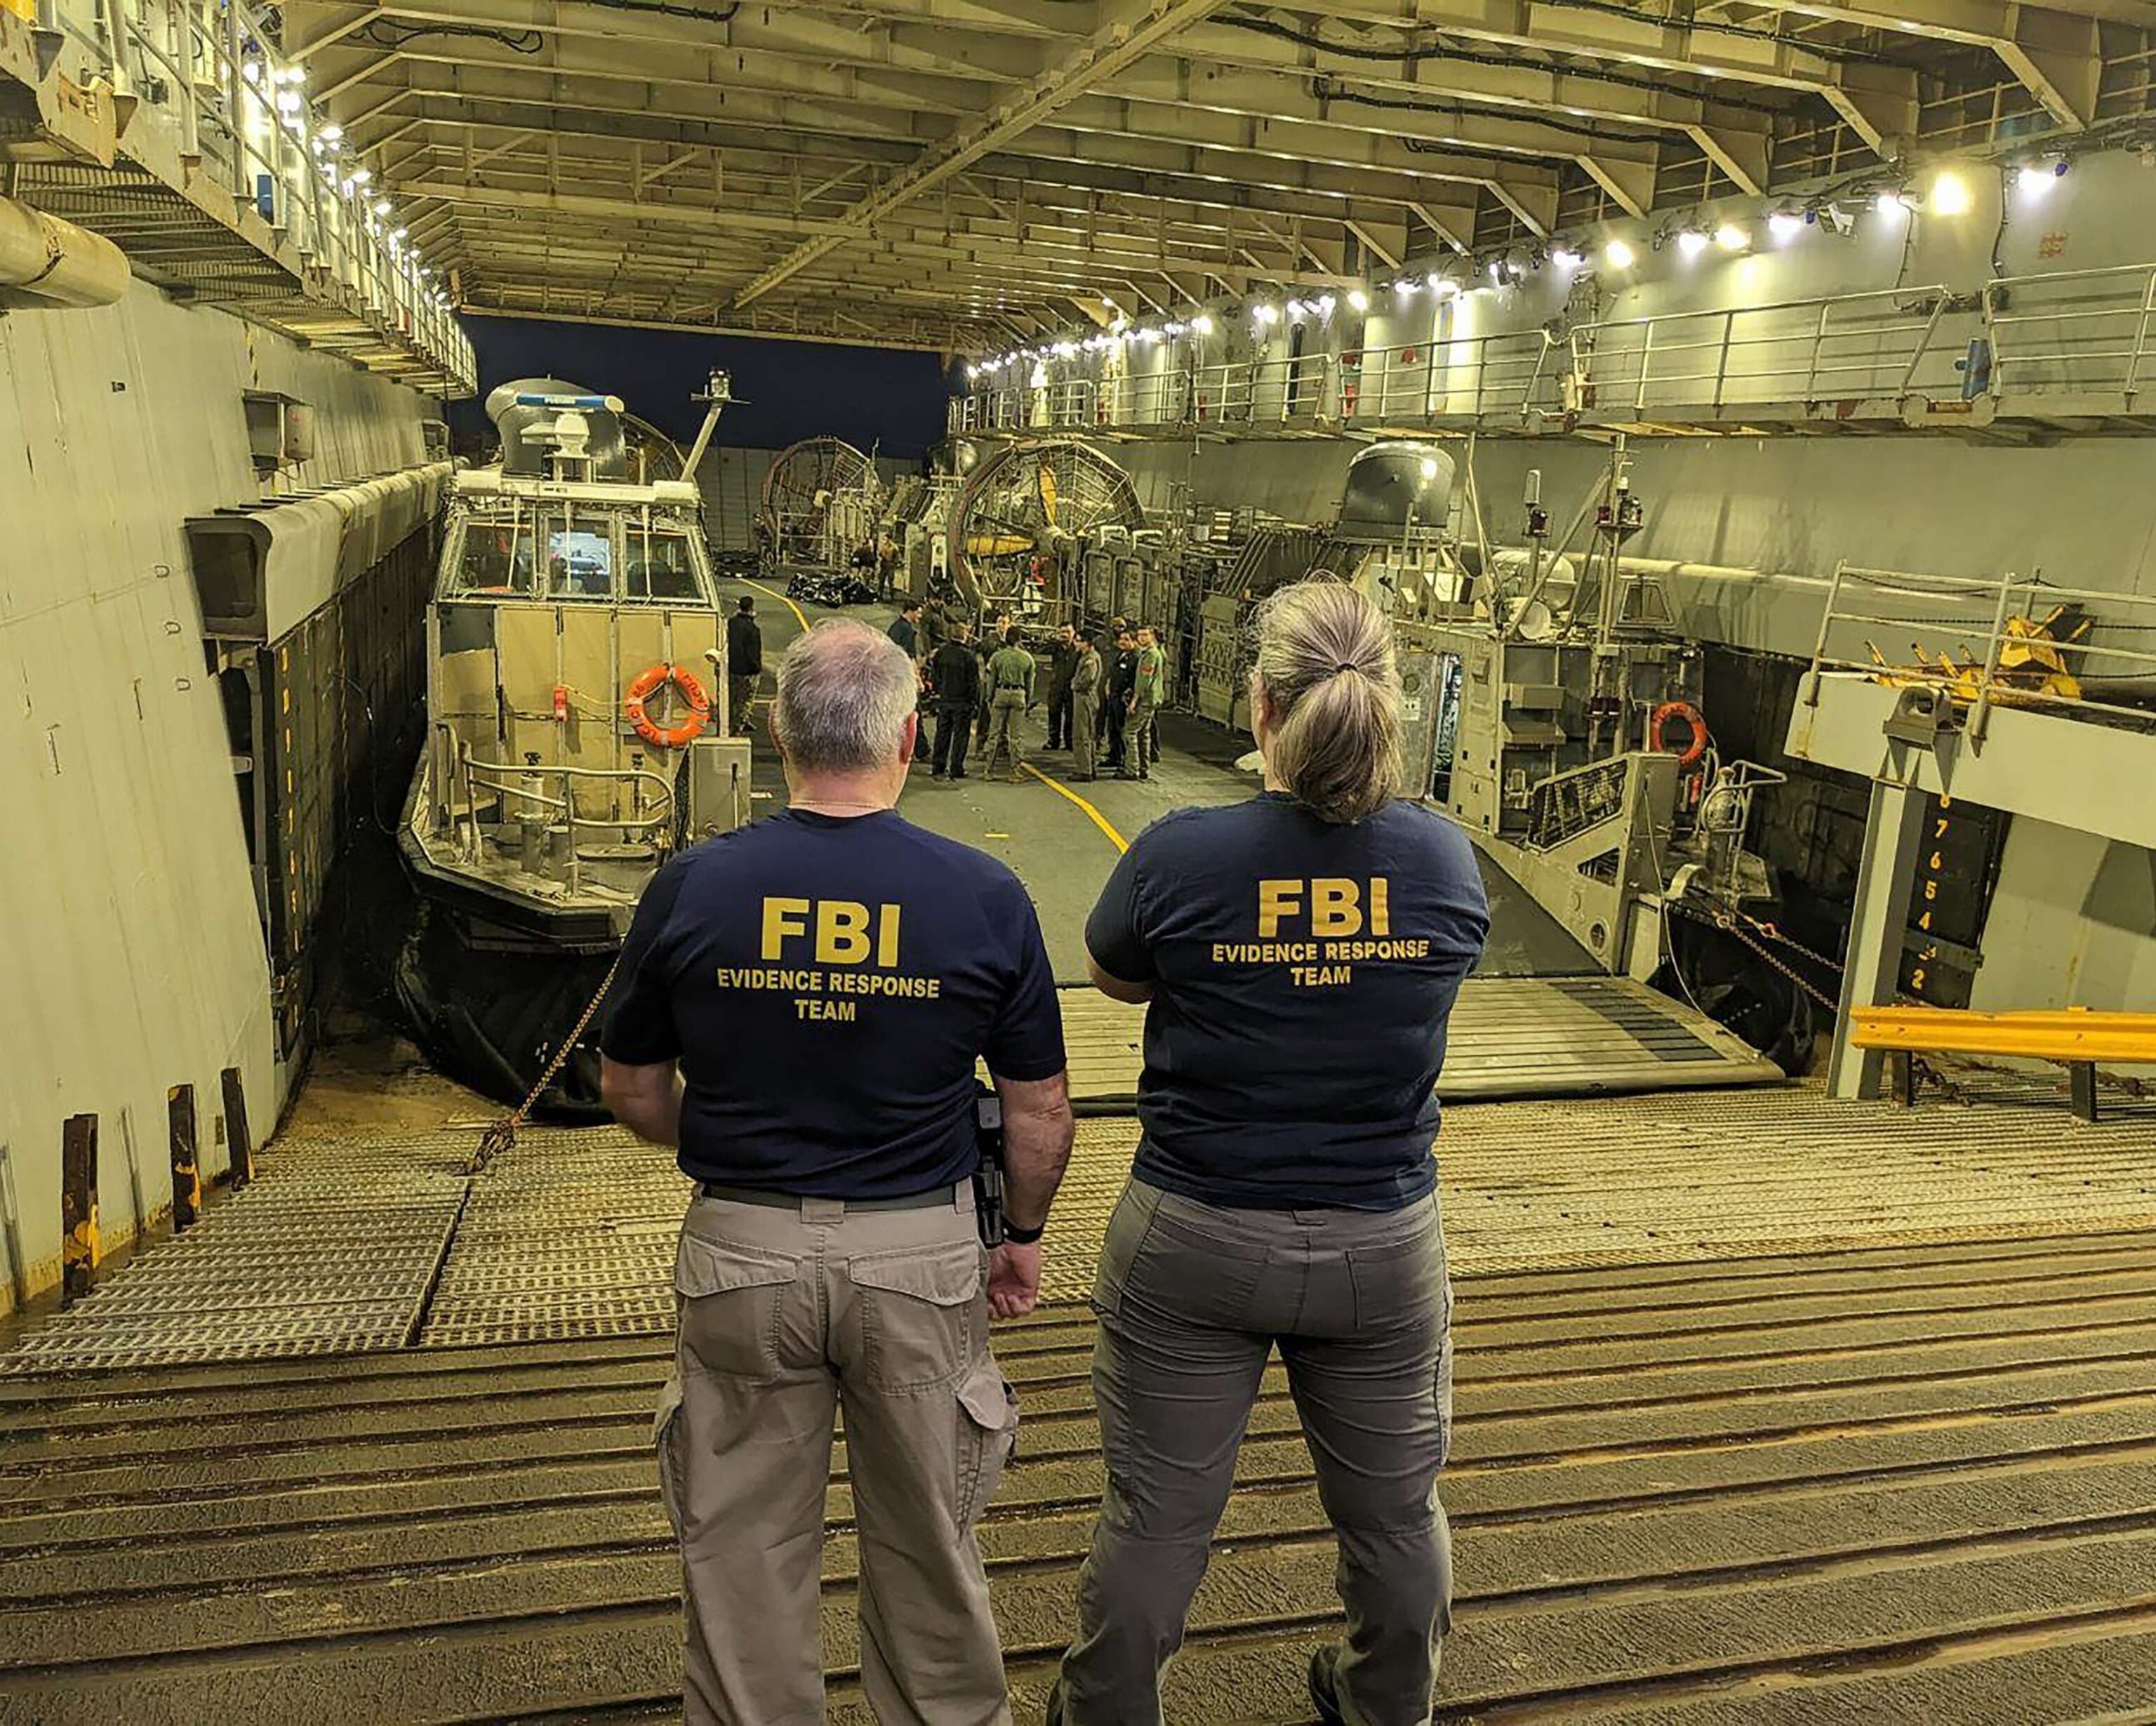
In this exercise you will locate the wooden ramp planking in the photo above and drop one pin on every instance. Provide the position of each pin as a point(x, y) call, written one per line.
point(1902, 1483)
point(1510, 1036)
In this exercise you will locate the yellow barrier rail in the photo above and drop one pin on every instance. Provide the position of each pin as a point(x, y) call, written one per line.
point(2077, 1038)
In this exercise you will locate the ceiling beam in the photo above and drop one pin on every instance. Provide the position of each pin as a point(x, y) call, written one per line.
point(1127, 29)
point(950, 343)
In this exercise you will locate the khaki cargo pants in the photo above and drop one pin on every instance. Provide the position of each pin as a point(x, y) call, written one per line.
point(1006, 709)
point(787, 1316)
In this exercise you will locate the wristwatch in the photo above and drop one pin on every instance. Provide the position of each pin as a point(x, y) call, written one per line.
point(1016, 1236)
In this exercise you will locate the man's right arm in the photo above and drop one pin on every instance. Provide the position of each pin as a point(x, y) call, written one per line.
point(1037, 1131)
point(1024, 1054)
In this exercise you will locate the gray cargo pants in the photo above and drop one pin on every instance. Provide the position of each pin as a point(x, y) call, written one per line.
point(1192, 1299)
point(787, 1316)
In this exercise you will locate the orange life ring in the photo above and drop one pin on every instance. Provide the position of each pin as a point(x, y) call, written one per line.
point(1691, 716)
point(648, 682)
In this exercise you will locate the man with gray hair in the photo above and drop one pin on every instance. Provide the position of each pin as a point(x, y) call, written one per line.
point(800, 1006)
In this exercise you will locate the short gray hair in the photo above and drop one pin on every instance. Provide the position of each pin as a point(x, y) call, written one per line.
point(844, 691)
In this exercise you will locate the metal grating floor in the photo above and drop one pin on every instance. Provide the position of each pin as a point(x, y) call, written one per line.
point(1707, 1175)
point(332, 1251)
point(336, 1248)
point(570, 1233)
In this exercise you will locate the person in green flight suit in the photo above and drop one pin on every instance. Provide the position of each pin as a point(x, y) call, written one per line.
point(1148, 691)
point(1010, 677)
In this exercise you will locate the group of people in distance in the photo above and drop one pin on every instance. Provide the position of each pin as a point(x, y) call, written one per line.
point(800, 1007)
point(1103, 693)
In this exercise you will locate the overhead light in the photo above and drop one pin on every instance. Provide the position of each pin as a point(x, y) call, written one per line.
point(1296, 311)
point(971, 373)
point(381, 206)
point(1732, 238)
point(1786, 223)
point(396, 235)
point(1566, 257)
point(1326, 302)
point(362, 177)
point(1893, 202)
point(1951, 196)
point(1265, 314)
point(2036, 179)
point(289, 101)
point(332, 134)
point(1435, 282)
point(1618, 255)
point(1202, 324)
point(1173, 330)
point(1357, 300)
point(1691, 242)
point(1406, 285)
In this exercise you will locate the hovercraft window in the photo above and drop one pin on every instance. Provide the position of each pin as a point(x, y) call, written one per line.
point(661, 565)
point(579, 558)
point(497, 558)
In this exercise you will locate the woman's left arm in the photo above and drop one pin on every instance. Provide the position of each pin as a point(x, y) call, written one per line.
point(1116, 988)
point(1118, 955)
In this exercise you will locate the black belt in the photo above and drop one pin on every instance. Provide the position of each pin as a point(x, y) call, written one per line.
point(935, 1199)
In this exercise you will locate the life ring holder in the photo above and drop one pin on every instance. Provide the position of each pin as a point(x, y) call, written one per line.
point(1691, 755)
point(649, 682)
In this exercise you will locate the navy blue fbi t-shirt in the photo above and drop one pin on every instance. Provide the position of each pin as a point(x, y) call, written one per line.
point(1303, 974)
point(827, 983)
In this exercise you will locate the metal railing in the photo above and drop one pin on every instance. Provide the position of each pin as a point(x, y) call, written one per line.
point(2086, 335)
point(562, 809)
point(1511, 373)
point(517, 783)
point(1851, 347)
point(2012, 641)
point(207, 83)
point(2078, 332)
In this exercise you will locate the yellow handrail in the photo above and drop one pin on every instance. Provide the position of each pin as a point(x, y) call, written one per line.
point(2074, 1035)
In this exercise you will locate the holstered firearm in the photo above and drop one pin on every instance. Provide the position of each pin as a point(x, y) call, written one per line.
point(988, 1179)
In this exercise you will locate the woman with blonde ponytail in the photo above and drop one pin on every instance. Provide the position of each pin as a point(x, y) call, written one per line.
point(1299, 955)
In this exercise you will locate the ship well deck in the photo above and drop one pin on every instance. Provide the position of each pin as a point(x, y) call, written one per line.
point(1770, 1408)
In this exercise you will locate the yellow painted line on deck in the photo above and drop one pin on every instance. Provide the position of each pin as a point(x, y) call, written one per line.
point(1098, 819)
point(800, 616)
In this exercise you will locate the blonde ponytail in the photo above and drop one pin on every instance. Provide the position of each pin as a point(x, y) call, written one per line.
point(1324, 656)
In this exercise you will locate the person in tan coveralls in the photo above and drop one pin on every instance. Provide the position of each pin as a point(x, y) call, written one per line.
point(800, 1007)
